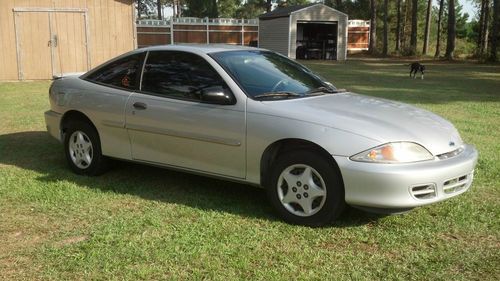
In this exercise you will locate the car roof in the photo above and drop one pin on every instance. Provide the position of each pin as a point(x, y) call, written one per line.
point(199, 48)
point(192, 48)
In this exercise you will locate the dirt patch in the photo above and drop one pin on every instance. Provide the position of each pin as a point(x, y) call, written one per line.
point(15, 268)
point(71, 240)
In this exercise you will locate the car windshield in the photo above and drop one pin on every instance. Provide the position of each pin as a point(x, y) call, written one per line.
point(264, 74)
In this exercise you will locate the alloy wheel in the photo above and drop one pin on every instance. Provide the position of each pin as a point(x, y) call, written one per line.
point(80, 149)
point(301, 190)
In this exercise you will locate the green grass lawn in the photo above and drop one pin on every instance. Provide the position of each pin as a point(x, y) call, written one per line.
point(139, 222)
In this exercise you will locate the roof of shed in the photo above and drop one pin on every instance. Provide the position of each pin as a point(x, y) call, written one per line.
point(284, 12)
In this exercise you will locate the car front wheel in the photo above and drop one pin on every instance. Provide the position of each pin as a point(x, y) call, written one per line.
point(306, 189)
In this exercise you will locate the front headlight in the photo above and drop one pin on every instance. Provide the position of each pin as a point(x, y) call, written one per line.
point(394, 152)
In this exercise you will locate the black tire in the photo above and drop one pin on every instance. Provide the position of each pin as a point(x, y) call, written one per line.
point(99, 163)
point(332, 206)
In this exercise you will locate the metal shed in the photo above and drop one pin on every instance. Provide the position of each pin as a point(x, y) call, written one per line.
point(305, 31)
point(42, 38)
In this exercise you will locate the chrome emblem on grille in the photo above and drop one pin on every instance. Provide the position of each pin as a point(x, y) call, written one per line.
point(452, 143)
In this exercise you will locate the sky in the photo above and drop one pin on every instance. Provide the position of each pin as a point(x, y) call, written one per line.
point(468, 8)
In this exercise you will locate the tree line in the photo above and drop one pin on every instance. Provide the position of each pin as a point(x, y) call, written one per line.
point(410, 23)
point(214, 8)
point(402, 27)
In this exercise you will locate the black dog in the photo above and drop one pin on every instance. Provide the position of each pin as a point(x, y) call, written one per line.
point(416, 67)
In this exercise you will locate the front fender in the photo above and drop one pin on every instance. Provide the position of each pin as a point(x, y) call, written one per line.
point(264, 130)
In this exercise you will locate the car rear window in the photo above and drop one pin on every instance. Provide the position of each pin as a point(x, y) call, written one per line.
point(122, 73)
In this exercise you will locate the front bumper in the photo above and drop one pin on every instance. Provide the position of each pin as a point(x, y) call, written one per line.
point(400, 186)
point(53, 122)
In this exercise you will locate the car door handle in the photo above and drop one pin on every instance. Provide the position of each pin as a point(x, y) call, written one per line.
point(140, 105)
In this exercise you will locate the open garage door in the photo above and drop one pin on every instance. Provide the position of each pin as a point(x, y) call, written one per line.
point(317, 40)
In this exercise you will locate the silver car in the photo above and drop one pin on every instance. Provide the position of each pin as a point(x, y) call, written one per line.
point(254, 116)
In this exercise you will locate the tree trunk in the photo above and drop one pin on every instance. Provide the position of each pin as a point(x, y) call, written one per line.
point(450, 42)
point(158, 8)
point(414, 19)
point(269, 5)
point(398, 26)
point(427, 27)
point(373, 27)
point(213, 10)
point(138, 9)
point(439, 24)
point(480, 31)
point(495, 30)
point(484, 28)
point(386, 28)
point(405, 24)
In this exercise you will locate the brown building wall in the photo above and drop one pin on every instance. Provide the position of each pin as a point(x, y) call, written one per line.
point(88, 32)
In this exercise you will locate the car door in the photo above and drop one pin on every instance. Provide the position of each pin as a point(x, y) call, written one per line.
point(169, 124)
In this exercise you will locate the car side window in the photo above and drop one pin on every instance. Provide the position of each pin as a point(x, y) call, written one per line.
point(122, 73)
point(179, 75)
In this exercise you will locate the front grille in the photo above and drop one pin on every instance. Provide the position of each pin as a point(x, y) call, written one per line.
point(450, 154)
point(456, 184)
point(427, 191)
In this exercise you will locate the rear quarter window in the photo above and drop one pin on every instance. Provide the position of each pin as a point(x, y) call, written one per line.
point(123, 73)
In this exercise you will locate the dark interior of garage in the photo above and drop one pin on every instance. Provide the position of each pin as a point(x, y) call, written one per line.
point(317, 40)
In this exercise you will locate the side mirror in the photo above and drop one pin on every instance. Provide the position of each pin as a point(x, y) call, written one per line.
point(217, 95)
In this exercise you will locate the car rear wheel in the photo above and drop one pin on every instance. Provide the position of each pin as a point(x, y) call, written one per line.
point(83, 149)
point(306, 189)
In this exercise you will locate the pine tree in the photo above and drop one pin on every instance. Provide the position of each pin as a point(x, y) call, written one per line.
point(427, 27)
point(414, 29)
point(439, 26)
point(450, 42)
point(372, 48)
point(386, 28)
point(398, 26)
point(495, 30)
point(158, 9)
point(484, 16)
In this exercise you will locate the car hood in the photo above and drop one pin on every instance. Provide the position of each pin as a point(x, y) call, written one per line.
point(379, 119)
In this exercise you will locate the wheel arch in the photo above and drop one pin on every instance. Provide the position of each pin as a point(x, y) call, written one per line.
point(74, 115)
point(274, 150)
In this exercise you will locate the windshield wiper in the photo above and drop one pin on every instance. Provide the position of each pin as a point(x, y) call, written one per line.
point(277, 94)
point(319, 90)
point(322, 90)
